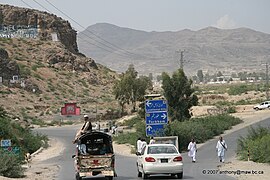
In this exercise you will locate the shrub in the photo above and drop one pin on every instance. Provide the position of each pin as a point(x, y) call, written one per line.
point(10, 165)
point(201, 129)
point(23, 138)
point(257, 143)
point(237, 90)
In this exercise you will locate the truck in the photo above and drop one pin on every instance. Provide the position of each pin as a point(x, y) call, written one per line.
point(94, 156)
point(167, 140)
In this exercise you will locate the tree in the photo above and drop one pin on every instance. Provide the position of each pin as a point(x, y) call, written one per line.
point(130, 89)
point(142, 84)
point(151, 76)
point(179, 94)
point(121, 93)
point(200, 75)
point(219, 74)
point(159, 78)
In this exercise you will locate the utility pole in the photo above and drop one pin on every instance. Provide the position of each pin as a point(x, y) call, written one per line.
point(181, 61)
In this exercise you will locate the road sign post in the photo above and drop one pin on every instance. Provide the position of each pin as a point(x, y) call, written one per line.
point(156, 117)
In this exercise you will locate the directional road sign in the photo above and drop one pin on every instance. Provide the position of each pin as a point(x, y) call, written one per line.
point(5, 142)
point(155, 105)
point(155, 130)
point(156, 118)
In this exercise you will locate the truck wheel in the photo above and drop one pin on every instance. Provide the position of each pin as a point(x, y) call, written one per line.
point(78, 176)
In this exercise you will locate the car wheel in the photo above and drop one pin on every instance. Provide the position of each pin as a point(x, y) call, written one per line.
point(180, 175)
point(256, 109)
point(78, 176)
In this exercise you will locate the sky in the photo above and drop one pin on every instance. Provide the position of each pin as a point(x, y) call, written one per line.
point(158, 15)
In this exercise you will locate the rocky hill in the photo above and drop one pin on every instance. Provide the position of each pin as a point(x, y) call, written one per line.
point(209, 49)
point(38, 75)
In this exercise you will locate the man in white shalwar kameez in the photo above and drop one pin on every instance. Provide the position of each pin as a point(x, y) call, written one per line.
point(221, 148)
point(192, 149)
point(139, 145)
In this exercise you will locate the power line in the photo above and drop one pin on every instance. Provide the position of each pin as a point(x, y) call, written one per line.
point(85, 35)
point(112, 49)
point(113, 45)
point(27, 4)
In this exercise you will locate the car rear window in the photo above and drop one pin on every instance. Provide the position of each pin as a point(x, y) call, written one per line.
point(161, 150)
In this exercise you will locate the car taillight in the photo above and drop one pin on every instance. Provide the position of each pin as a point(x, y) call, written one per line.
point(149, 159)
point(178, 158)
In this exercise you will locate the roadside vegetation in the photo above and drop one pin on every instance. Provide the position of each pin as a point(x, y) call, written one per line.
point(201, 129)
point(23, 140)
point(256, 144)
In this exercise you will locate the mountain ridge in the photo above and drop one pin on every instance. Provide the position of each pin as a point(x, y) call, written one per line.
point(209, 49)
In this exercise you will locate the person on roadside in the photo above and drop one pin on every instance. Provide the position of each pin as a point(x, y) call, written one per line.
point(87, 127)
point(221, 147)
point(152, 141)
point(139, 145)
point(144, 143)
point(192, 150)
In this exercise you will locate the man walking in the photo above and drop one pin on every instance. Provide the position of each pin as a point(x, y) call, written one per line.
point(192, 149)
point(221, 148)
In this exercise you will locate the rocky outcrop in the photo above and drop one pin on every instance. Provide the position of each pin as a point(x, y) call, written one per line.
point(8, 68)
point(63, 59)
point(45, 22)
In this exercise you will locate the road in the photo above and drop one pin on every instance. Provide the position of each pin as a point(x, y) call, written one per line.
point(125, 166)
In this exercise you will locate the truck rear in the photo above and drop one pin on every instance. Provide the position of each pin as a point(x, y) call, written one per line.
point(94, 156)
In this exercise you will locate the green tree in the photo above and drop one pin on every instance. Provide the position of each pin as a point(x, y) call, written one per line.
point(121, 92)
point(179, 94)
point(150, 76)
point(200, 75)
point(159, 78)
point(130, 89)
point(142, 84)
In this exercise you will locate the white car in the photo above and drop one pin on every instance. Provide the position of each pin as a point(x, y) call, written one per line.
point(263, 105)
point(159, 159)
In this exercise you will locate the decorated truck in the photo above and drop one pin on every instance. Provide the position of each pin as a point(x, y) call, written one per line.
point(94, 156)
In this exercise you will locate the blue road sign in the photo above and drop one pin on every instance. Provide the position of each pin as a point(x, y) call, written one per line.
point(5, 142)
point(155, 105)
point(156, 118)
point(155, 130)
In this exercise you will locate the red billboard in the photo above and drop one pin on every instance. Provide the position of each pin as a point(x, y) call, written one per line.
point(70, 109)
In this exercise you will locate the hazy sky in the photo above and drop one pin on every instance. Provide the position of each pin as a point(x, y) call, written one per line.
point(159, 15)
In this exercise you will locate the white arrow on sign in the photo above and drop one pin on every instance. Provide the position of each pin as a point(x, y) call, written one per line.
point(148, 103)
point(148, 128)
point(163, 116)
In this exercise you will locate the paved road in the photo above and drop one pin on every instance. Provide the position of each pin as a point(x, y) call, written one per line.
point(125, 166)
